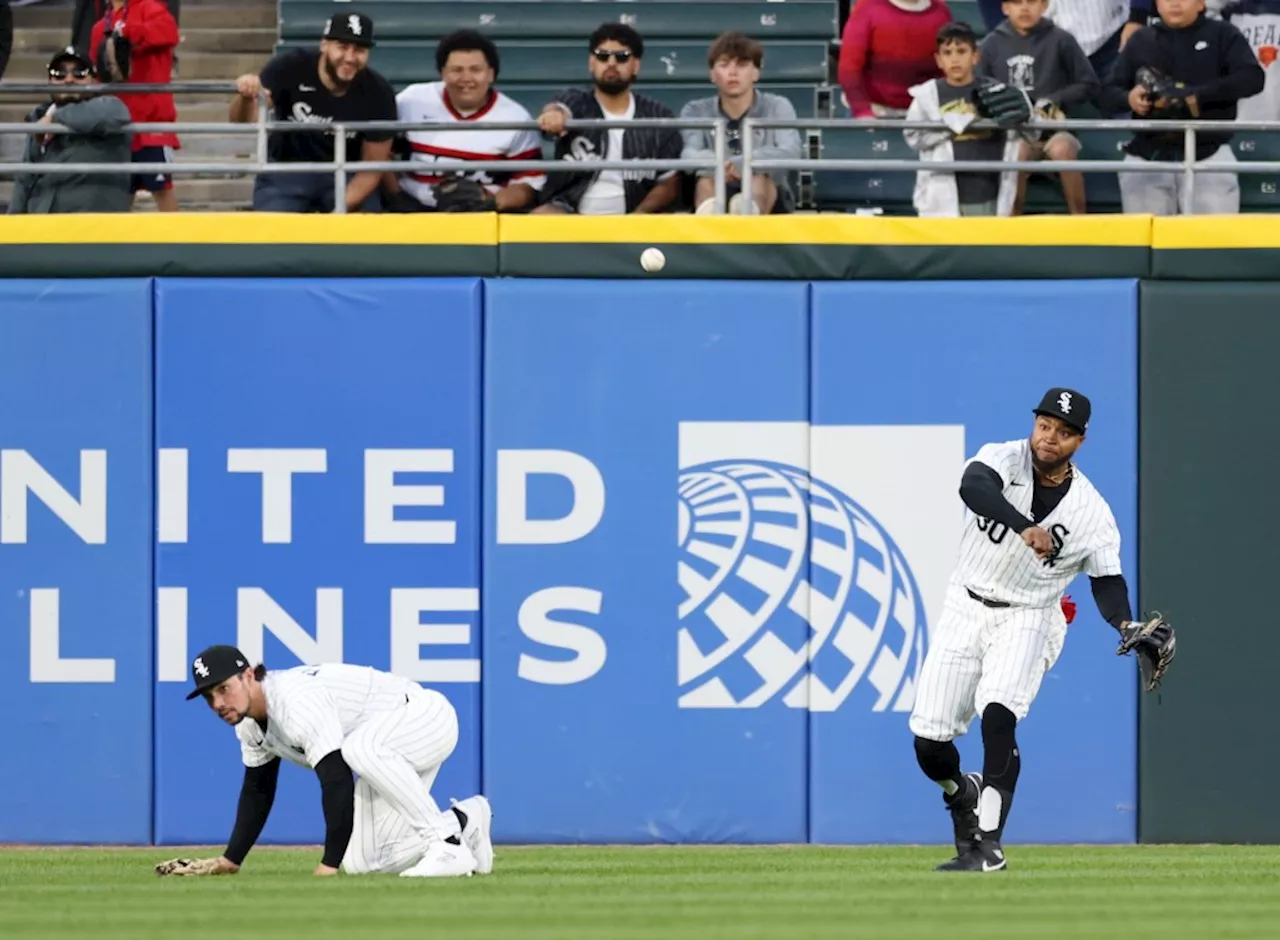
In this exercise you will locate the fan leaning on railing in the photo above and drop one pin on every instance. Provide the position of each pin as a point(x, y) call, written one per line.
point(341, 166)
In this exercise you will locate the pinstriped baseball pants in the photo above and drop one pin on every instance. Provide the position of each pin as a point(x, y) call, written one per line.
point(981, 655)
point(396, 755)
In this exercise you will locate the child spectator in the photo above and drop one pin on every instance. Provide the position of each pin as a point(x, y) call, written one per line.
point(134, 42)
point(887, 48)
point(1029, 52)
point(952, 100)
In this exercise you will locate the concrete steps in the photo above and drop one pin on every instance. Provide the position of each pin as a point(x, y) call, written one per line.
point(43, 42)
point(195, 16)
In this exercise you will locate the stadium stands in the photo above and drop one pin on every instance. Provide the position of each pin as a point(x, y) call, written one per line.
point(542, 47)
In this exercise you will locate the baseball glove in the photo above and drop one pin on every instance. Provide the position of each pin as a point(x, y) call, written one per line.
point(1156, 645)
point(1006, 105)
point(1170, 98)
point(189, 866)
point(459, 194)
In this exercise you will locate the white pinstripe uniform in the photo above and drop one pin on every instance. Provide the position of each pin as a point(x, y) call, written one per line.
point(1091, 22)
point(392, 732)
point(980, 654)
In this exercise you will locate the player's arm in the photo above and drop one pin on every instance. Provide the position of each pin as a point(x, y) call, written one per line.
point(337, 797)
point(257, 794)
point(311, 719)
point(982, 490)
point(1111, 594)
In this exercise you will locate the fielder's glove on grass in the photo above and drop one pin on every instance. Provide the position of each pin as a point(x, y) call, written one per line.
point(189, 866)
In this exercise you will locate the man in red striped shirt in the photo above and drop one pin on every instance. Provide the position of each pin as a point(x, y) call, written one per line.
point(887, 48)
point(468, 65)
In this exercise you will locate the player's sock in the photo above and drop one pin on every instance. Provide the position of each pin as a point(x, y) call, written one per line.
point(1000, 768)
point(940, 762)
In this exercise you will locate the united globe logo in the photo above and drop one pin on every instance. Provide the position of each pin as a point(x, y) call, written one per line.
point(790, 589)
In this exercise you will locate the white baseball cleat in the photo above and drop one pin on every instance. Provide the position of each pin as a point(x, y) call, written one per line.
point(476, 833)
point(443, 860)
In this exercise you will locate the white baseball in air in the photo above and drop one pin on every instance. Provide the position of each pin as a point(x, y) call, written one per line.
point(651, 259)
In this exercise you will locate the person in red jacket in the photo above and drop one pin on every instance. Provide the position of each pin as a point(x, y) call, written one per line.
point(134, 42)
point(887, 48)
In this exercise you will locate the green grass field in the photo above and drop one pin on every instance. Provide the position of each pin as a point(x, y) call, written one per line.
point(590, 893)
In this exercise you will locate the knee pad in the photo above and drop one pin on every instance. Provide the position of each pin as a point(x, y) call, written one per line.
point(938, 759)
point(997, 721)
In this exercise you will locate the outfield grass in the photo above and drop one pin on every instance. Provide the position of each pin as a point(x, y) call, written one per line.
point(712, 893)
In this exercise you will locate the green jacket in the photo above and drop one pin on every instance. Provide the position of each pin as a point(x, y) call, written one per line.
point(98, 137)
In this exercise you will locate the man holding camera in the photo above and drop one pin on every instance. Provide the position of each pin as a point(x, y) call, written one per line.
point(1184, 67)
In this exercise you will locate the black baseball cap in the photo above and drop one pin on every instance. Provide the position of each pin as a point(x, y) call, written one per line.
point(1067, 404)
point(355, 28)
point(71, 54)
point(214, 666)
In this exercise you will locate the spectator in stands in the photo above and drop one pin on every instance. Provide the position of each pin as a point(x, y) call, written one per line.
point(1259, 22)
point(319, 89)
point(1100, 26)
point(887, 48)
point(1213, 68)
point(1029, 52)
point(88, 12)
point(614, 62)
point(98, 124)
point(735, 61)
point(950, 100)
point(134, 42)
point(6, 35)
point(468, 64)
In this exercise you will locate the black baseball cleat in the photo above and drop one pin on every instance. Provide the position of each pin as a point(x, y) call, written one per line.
point(964, 813)
point(986, 855)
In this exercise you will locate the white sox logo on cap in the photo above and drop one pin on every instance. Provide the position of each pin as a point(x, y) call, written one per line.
point(353, 24)
point(201, 669)
point(1064, 402)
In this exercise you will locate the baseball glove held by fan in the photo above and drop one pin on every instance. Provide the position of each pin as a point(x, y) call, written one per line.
point(1169, 97)
point(459, 194)
point(1156, 645)
point(1006, 105)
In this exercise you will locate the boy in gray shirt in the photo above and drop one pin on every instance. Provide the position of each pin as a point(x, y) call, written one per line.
point(735, 61)
point(1029, 52)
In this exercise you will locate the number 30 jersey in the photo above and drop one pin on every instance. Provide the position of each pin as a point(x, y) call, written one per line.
point(995, 563)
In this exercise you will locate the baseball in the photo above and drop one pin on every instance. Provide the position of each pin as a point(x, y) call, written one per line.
point(651, 259)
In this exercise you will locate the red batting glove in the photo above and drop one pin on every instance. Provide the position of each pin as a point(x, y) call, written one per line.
point(1068, 608)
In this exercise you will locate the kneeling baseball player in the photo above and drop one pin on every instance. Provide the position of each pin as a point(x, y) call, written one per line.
point(336, 719)
point(1034, 522)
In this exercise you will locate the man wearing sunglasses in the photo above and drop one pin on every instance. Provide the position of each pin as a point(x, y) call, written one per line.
point(98, 135)
point(616, 51)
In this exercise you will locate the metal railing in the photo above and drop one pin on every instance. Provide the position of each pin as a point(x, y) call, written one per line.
point(342, 167)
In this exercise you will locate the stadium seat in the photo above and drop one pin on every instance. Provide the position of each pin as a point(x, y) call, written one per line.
point(965, 11)
point(533, 97)
point(841, 190)
point(1259, 192)
point(675, 61)
point(565, 19)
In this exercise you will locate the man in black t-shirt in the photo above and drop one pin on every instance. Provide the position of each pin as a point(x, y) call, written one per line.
point(335, 86)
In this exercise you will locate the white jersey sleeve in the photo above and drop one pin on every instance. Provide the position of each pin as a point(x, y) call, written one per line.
point(307, 715)
point(253, 749)
point(1104, 560)
point(1005, 459)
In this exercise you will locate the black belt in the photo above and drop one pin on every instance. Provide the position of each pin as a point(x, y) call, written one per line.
point(985, 602)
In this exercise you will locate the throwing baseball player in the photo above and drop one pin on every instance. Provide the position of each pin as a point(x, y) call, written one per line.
point(335, 719)
point(1034, 522)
